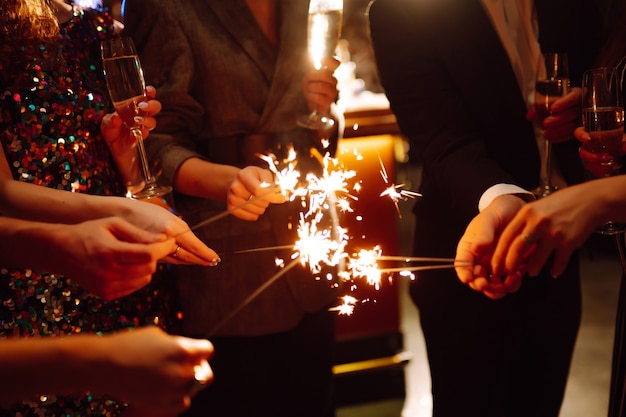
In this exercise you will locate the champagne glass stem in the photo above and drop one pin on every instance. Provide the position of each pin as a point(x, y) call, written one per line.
point(143, 157)
point(547, 180)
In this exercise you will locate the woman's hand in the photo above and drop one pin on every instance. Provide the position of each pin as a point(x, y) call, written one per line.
point(251, 193)
point(122, 143)
point(598, 164)
point(155, 373)
point(555, 225)
point(319, 86)
point(565, 117)
point(109, 257)
point(186, 249)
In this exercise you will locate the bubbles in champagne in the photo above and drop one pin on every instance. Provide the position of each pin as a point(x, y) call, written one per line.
point(324, 31)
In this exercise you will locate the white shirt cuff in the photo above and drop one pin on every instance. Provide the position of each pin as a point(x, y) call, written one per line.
point(501, 189)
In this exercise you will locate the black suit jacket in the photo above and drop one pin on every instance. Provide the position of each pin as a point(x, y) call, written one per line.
point(456, 98)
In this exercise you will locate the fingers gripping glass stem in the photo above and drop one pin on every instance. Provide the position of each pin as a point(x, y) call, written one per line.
point(552, 82)
point(324, 31)
point(126, 85)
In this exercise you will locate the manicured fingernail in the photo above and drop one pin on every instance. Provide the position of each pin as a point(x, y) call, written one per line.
point(215, 261)
point(142, 105)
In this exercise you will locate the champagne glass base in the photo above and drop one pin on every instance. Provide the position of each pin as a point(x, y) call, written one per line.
point(152, 191)
point(611, 228)
point(159, 195)
point(316, 121)
point(544, 191)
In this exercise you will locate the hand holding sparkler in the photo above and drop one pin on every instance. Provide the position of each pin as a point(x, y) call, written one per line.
point(477, 245)
point(251, 193)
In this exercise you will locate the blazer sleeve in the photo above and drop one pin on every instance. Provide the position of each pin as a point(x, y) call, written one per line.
point(167, 62)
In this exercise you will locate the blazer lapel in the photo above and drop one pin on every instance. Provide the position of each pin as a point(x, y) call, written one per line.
point(291, 52)
point(237, 19)
point(475, 44)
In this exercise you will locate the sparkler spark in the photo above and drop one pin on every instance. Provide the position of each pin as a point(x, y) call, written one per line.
point(347, 308)
point(316, 246)
point(322, 241)
point(395, 192)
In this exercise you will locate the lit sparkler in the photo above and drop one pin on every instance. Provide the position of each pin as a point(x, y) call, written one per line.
point(323, 242)
point(347, 307)
point(252, 296)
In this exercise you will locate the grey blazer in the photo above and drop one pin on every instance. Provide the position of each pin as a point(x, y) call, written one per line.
point(226, 93)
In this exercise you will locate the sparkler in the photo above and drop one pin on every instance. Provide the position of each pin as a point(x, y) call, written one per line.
point(271, 190)
point(324, 243)
point(252, 296)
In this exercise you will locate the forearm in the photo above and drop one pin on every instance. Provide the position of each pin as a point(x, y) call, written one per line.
point(36, 245)
point(200, 178)
point(608, 197)
point(47, 366)
point(25, 201)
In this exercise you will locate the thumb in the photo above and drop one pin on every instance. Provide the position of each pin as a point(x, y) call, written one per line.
point(112, 120)
point(197, 349)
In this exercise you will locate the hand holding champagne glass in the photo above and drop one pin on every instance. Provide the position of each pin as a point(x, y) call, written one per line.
point(323, 31)
point(126, 85)
point(603, 119)
point(552, 83)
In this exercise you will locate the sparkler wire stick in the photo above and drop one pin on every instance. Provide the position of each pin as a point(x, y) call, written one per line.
point(263, 249)
point(227, 212)
point(423, 268)
point(335, 231)
point(252, 296)
point(413, 259)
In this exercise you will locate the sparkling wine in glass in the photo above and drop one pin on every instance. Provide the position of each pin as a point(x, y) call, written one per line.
point(552, 82)
point(126, 85)
point(603, 119)
point(323, 33)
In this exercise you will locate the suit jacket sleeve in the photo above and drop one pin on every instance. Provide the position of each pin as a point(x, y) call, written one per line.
point(433, 72)
point(168, 65)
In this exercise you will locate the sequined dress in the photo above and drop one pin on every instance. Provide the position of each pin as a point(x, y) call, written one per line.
point(50, 113)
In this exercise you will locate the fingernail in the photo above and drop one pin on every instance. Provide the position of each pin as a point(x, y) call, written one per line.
point(150, 88)
point(138, 119)
point(143, 105)
point(215, 261)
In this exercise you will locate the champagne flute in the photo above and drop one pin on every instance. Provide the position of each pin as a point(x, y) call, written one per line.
point(126, 85)
point(323, 31)
point(603, 119)
point(552, 82)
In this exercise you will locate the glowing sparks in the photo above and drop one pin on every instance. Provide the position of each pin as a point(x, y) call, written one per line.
point(395, 192)
point(365, 265)
point(316, 247)
point(332, 182)
point(321, 239)
point(347, 307)
point(286, 178)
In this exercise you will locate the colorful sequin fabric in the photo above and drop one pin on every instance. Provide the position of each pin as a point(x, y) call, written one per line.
point(50, 113)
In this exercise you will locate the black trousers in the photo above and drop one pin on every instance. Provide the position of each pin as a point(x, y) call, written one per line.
point(617, 400)
point(499, 358)
point(279, 375)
